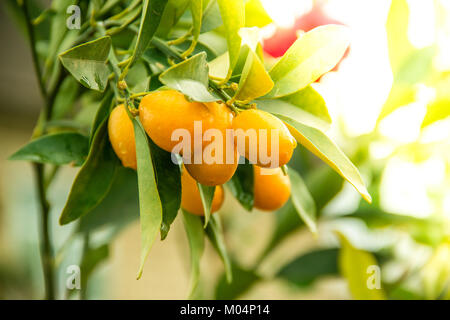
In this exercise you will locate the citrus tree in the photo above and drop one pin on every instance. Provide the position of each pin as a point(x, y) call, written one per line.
point(118, 77)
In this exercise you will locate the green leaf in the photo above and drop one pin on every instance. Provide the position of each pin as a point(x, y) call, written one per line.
point(354, 266)
point(171, 15)
point(233, 17)
point(313, 54)
point(94, 179)
point(91, 259)
point(243, 280)
point(211, 17)
point(278, 106)
point(309, 267)
point(215, 235)
point(118, 209)
point(150, 208)
point(197, 15)
point(87, 63)
point(241, 185)
point(152, 11)
point(400, 95)
point(302, 200)
point(321, 146)
point(195, 234)
point(255, 14)
point(311, 101)
point(397, 33)
point(65, 98)
point(255, 81)
point(58, 148)
point(207, 196)
point(102, 113)
point(437, 110)
point(190, 77)
point(168, 180)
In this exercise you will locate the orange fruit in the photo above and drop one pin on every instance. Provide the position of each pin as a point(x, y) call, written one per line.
point(271, 188)
point(190, 196)
point(121, 136)
point(254, 139)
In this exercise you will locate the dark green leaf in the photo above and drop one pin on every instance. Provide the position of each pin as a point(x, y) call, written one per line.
point(87, 63)
point(150, 207)
point(307, 268)
point(207, 195)
point(241, 185)
point(195, 234)
point(215, 235)
point(168, 180)
point(58, 148)
point(94, 179)
point(118, 208)
point(152, 11)
point(65, 98)
point(243, 280)
point(172, 13)
point(102, 113)
point(190, 77)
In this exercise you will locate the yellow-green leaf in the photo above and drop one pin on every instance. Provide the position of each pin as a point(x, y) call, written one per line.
point(150, 208)
point(436, 273)
point(320, 145)
point(195, 235)
point(312, 54)
point(359, 268)
point(233, 17)
point(255, 14)
point(255, 81)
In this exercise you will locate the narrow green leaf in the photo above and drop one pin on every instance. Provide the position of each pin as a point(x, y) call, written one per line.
point(207, 196)
point(87, 63)
point(171, 15)
point(197, 15)
point(58, 148)
point(255, 81)
point(303, 201)
point(94, 179)
point(102, 113)
point(233, 17)
point(244, 279)
point(215, 235)
point(241, 185)
point(91, 260)
point(354, 265)
point(195, 234)
point(255, 14)
point(168, 180)
point(190, 77)
point(309, 267)
point(150, 208)
point(211, 17)
point(313, 54)
point(65, 98)
point(152, 11)
point(321, 146)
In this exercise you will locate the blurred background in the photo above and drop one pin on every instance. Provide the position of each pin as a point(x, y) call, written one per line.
point(390, 104)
